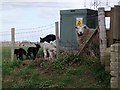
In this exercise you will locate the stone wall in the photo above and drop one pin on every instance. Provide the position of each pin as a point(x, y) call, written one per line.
point(107, 59)
point(115, 65)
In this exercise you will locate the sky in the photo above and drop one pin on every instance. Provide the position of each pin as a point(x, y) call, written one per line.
point(33, 19)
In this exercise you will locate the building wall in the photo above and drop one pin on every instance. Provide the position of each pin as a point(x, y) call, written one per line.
point(119, 3)
point(68, 36)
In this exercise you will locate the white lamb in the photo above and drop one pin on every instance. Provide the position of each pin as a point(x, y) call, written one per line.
point(50, 48)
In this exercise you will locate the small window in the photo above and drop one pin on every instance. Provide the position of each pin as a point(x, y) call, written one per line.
point(107, 22)
point(72, 10)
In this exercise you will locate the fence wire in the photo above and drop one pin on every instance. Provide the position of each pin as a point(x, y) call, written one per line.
point(26, 33)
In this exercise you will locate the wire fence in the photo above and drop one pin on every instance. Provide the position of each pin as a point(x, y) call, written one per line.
point(30, 33)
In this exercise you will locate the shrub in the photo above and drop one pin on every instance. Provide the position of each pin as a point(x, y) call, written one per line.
point(31, 66)
point(8, 66)
point(46, 84)
point(72, 58)
point(28, 84)
point(59, 64)
point(6, 69)
point(24, 73)
point(98, 70)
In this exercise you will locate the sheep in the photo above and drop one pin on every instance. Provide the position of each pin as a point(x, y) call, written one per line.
point(16, 52)
point(19, 53)
point(33, 51)
point(83, 32)
point(48, 48)
point(48, 38)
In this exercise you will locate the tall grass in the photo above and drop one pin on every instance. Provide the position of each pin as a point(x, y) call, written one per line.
point(57, 74)
point(6, 53)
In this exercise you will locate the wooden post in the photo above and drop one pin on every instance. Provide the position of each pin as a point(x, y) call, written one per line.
point(115, 49)
point(111, 27)
point(102, 33)
point(57, 38)
point(88, 40)
point(116, 23)
point(12, 43)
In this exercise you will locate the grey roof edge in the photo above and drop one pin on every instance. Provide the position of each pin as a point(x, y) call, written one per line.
point(75, 11)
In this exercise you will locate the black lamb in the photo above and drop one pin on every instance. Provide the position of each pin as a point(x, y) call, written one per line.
point(19, 53)
point(32, 51)
point(48, 38)
point(16, 52)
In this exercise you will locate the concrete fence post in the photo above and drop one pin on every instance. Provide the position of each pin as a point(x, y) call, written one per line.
point(12, 43)
point(57, 38)
point(102, 33)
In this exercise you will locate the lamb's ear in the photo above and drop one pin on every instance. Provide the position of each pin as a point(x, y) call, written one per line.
point(76, 27)
point(31, 43)
point(85, 26)
point(36, 44)
point(41, 38)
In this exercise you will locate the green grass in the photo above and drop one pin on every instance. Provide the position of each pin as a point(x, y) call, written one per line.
point(83, 73)
point(6, 54)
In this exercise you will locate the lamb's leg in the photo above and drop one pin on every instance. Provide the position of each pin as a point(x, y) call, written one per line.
point(29, 55)
point(34, 56)
point(25, 55)
point(50, 54)
point(21, 57)
point(45, 53)
point(17, 57)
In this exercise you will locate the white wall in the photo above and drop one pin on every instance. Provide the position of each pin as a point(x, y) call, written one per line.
point(119, 3)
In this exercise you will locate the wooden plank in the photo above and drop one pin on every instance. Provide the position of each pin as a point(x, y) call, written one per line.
point(111, 27)
point(116, 23)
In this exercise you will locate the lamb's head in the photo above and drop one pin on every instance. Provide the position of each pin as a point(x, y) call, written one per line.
point(41, 40)
point(80, 29)
point(37, 45)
